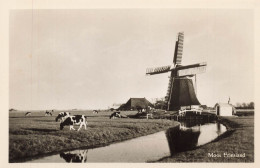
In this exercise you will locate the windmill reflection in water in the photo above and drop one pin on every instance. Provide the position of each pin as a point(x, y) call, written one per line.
point(191, 134)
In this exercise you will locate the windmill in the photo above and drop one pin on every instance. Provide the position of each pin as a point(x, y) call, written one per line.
point(180, 88)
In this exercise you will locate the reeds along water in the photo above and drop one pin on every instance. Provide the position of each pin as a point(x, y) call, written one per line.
point(181, 140)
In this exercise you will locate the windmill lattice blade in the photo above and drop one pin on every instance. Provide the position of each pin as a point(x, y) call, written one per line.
point(157, 70)
point(178, 49)
point(191, 71)
point(168, 94)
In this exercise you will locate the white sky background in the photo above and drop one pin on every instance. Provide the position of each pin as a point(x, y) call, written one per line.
point(93, 58)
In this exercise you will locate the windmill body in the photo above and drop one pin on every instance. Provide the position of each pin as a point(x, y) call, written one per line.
point(180, 90)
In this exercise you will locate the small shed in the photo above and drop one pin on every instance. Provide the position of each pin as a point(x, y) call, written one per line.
point(225, 109)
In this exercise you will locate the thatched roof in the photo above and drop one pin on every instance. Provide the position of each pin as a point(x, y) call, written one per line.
point(183, 94)
point(134, 103)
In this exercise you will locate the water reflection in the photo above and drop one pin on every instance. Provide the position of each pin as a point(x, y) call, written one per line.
point(192, 133)
point(181, 140)
point(219, 129)
point(79, 156)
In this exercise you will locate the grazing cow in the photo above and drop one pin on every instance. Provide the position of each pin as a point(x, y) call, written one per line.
point(48, 113)
point(115, 114)
point(75, 119)
point(150, 110)
point(80, 157)
point(95, 111)
point(28, 113)
point(62, 116)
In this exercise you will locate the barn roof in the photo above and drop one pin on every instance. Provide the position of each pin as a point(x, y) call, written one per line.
point(132, 103)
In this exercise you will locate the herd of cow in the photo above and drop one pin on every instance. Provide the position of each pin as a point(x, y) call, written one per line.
point(66, 119)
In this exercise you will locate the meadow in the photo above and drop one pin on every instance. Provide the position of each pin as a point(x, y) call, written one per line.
point(39, 135)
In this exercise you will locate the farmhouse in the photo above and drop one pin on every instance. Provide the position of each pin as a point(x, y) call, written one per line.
point(225, 109)
point(135, 103)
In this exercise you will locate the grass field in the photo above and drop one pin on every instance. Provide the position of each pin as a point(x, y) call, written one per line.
point(39, 135)
point(239, 139)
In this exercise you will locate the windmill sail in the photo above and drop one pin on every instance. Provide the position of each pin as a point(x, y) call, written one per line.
point(178, 49)
point(193, 69)
point(167, 97)
point(176, 61)
point(169, 91)
point(157, 70)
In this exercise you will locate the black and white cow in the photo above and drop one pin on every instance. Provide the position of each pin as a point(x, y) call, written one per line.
point(74, 120)
point(62, 116)
point(115, 114)
point(48, 113)
point(80, 157)
point(28, 113)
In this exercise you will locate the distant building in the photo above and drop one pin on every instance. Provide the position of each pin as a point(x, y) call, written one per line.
point(135, 104)
point(204, 106)
point(225, 109)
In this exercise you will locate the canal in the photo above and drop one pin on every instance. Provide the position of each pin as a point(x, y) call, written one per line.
point(144, 149)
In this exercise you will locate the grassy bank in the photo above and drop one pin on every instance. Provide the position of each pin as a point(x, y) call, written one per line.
point(239, 139)
point(39, 135)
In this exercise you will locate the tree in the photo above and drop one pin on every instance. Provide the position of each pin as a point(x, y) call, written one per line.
point(160, 104)
point(238, 105)
point(251, 105)
point(244, 105)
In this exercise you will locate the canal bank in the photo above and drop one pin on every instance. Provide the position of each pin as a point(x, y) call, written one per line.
point(236, 145)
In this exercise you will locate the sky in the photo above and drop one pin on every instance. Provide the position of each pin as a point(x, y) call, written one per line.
point(92, 58)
